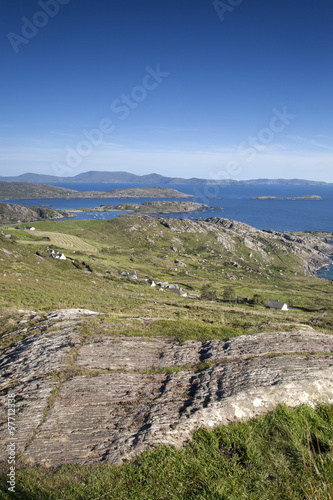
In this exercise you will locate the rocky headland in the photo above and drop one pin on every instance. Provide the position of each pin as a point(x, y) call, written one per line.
point(236, 237)
point(13, 213)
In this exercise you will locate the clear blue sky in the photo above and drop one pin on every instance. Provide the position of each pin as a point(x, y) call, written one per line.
point(181, 88)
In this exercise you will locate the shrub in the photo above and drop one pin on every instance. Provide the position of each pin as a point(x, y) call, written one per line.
point(257, 299)
point(207, 293)
point(229, 294)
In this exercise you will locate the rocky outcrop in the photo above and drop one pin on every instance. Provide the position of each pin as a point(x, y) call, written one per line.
point(310, 251)
point(83, 399)
point(12, 213)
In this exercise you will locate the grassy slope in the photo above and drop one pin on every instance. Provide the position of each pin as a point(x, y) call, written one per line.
point(294, 466)
point(110, 247)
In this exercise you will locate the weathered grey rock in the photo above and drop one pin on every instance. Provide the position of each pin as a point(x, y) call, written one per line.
point(111, 397)
point(137, 353)
point(31, 402)
point(70, 314)
point(36, 356)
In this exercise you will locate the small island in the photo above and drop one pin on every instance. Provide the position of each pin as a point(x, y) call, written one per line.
point(147, 192)
point(152, 207)
point(306, 197)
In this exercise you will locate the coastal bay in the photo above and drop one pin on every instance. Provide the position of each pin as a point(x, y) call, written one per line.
point(233, 202)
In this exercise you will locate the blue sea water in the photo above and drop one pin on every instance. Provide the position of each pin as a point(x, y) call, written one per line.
point(326, 272)
point(232, 202)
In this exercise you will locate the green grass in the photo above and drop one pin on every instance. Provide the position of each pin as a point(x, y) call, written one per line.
point(227, 463)
point(186, 329)
point(63, 241)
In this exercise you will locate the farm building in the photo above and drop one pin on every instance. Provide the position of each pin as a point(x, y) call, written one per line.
point(276, 304)
point(57, 255)
point(178, 291)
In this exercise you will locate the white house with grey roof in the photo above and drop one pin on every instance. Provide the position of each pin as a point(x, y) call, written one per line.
point(276, 304)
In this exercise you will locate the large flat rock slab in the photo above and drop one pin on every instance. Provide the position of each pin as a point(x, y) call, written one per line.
point(135, 353)
point(109, 398)
point(94, 416)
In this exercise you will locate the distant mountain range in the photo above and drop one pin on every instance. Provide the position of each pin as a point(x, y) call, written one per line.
point(96, 177)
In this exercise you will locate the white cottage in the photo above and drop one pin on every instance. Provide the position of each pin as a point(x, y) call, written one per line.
point(276, 304)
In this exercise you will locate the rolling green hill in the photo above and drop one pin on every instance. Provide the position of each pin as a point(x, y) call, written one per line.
point(216, 252)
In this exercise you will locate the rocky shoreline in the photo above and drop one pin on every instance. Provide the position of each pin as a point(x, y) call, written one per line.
point(17, 214)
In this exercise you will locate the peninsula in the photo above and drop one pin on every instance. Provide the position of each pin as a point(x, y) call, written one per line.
point(27, 190)
point(12, 213)
point(153, 207)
